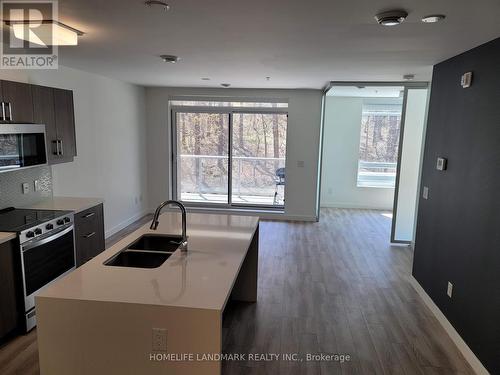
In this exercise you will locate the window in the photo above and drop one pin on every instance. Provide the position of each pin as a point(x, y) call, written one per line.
point(229, 153)
point(378, 146)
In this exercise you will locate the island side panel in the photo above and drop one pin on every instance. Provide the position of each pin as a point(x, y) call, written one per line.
point(88, 337)
point(245, 287)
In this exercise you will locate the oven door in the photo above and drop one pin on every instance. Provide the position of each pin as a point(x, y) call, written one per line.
point(45, 260)
point(22, 146)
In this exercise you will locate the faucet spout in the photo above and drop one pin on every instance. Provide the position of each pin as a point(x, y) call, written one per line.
point(155, 222)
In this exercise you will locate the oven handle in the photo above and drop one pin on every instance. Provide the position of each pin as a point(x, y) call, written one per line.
point(48, 239)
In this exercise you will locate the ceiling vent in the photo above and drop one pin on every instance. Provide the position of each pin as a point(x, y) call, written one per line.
point(391, 18)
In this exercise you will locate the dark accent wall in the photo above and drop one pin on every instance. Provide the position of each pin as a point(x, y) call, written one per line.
point(458, 228)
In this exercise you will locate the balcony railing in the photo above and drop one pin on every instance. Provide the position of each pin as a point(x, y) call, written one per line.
point(205, 178)
point(376, 174)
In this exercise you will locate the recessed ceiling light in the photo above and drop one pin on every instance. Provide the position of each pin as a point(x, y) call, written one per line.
point(170, 58)
point(391, 18)
point(48, 32)
point(162, 4)
point(226, 85)
point(409, 77)
point(205, 79)
point(268, 78)
point(433, 18)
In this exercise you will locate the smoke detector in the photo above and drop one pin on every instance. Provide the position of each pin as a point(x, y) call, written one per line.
point(226, 85)
point(391, 18)
point(170, 58)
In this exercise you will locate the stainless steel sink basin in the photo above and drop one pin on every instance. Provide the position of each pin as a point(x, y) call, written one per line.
point(155, 242)
point(138, 259)
point(148, 251)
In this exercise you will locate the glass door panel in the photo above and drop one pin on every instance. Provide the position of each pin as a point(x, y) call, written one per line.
point(409, 170)
point(202, 157)
point(258, 159)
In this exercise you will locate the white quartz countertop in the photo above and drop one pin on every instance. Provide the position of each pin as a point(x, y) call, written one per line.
point(66, 203)
point(6, 236)
point(202, 278)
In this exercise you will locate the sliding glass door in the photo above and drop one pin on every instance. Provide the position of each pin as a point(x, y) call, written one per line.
point(258, 157)
point(202, 156)
point(229, 156)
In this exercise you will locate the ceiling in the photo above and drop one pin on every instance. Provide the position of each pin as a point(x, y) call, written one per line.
point(297, 43)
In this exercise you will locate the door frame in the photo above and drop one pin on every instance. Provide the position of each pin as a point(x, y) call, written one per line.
point(406, 86)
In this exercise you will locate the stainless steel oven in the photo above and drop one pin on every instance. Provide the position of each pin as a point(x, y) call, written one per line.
point(22, 146)
point(45, 257)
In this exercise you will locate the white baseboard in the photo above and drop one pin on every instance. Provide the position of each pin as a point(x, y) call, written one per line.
point(356, 205)
point(468, 354)
point(125, 223)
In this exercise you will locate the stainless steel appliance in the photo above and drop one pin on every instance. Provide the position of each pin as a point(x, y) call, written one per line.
point(46, 250)
point(22, 146)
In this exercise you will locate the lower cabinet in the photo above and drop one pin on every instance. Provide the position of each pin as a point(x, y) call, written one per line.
point(89, 234)
point(8, 295)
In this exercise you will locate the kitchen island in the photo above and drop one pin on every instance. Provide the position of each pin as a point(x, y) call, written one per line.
point(104, 319)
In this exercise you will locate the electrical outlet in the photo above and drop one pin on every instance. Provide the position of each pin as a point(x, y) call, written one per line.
point(25, 187)
point(441, 164)
point(425, 192)
point(449, 290)
point(159, 340)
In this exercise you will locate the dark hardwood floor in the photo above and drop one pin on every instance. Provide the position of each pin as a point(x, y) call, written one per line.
point(333, 287)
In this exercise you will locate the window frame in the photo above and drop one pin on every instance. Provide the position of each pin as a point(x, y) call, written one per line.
point(369, 184)
point(174, 109)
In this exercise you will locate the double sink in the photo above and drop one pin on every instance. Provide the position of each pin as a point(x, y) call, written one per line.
point(148, 251)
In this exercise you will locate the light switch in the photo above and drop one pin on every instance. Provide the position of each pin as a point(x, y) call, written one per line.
point(425, 192)
point(466, 80)
point(441, 164)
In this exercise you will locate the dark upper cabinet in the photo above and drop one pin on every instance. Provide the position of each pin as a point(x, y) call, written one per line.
point(54, 108)
point(89, 234)
point(17, 102)
point(65, 123)
point(8, 299)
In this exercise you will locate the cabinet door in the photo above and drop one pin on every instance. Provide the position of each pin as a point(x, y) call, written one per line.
point(8, 306)
point(21, 101)
point(89, 233)
point(65, 123)
point(43, 111)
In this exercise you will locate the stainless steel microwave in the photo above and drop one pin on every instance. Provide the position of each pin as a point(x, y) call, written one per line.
point(22, 146)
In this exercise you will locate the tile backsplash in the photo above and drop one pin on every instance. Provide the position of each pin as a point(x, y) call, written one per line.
point(11, 192)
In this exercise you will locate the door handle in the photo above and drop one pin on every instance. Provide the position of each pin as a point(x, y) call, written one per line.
point(56, 143)
point(10, 112)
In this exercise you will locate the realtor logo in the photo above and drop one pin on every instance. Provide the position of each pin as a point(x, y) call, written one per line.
point(27, 35)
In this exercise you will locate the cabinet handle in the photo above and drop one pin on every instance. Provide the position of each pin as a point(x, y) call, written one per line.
point(89, 235)
point(3, 111)
point(56, 143)
point(10, 112)
point(89, 215)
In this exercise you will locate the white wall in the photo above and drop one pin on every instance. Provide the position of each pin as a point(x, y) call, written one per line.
point(303, 135)
point(340, 159)
point(111, 142)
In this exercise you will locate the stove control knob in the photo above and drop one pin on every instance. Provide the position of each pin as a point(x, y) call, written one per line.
point(30, 234)
point(49, 226)
point(67, 219)
point(60, 222)
point(38, 231)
